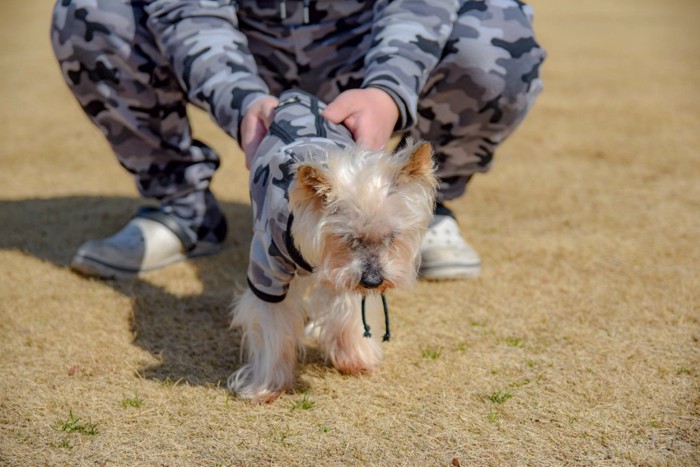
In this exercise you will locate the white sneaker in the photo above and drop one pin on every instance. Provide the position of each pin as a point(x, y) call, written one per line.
point(149, 241)
point(445, 254)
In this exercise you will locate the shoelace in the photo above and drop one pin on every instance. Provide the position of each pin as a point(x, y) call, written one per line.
point(368, 331)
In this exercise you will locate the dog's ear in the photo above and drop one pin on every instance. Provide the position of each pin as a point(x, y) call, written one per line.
point(311, 182)
point(419, 165)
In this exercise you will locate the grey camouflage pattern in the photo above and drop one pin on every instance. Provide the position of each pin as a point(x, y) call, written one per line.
point(127, 88)
point(480, 91)
point(297, 133)
point(463, 73)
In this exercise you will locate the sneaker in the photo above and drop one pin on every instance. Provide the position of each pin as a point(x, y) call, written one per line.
point(152, 239)
point(445, 254)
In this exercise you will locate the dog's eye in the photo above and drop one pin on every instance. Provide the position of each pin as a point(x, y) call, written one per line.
point(352, 240)
point(388, 239)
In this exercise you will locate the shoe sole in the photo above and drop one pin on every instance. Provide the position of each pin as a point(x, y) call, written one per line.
point(449, 271)
point(93, 267)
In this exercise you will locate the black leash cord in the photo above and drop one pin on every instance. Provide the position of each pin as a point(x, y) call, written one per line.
point(387, 333)
point(368, 331)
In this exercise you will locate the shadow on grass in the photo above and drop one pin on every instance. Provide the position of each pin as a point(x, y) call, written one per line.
point(190, 334)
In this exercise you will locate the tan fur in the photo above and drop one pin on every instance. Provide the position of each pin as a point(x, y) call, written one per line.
point(357, 215)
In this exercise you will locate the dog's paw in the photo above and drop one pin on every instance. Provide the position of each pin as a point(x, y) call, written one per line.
point(244, 385)
point(266, 397)
point(354, 368)
point(359, 360)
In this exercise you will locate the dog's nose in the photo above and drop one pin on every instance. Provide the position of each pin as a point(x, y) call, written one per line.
point(371, 279)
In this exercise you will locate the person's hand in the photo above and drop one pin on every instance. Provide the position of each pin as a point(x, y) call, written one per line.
point(370, 115)
point(254, 126)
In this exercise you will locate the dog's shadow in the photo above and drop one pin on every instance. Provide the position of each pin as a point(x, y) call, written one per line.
point(189, 334)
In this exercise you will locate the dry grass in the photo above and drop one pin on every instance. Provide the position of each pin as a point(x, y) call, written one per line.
point(579, 345)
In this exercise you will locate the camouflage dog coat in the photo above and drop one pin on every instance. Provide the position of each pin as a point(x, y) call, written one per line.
point(296, 131)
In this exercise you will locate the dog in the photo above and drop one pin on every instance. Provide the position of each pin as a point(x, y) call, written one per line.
point(333, 223)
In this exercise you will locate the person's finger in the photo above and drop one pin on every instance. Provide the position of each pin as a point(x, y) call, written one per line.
point(339, 109)
point(247, 131)
point(369, 137)
point(254, 126)
point(254, 135)
point(270, 113)
point(342, 111)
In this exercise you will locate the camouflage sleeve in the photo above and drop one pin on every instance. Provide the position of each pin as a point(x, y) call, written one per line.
point(409, 36)
point(209, 55)
point(269, 272)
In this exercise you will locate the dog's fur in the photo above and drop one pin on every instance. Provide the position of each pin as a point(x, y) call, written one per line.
point(359, 217)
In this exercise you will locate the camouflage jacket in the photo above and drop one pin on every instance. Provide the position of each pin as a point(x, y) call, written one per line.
point(211, 59)
point(297, 132)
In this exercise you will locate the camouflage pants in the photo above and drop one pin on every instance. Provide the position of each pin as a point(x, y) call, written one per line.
point(484, 84)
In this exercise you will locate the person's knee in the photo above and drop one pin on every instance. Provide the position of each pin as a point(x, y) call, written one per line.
point(66, 23)
point(72, 18)
point(84, 24)
point(493, 55)
point(487, 71)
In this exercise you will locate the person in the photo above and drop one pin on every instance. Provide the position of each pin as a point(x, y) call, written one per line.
point(461, 74)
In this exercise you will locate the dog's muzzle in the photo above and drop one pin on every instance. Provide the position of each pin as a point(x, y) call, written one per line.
point(372, 276)
point(371, 279)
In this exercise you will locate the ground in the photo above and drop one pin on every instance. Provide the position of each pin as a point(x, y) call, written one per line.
point(579, 344)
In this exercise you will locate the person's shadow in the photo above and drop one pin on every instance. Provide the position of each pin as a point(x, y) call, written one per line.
point(190, 334)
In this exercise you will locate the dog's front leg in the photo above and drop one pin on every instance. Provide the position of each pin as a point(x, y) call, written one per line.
point(340, 332)
point(272, 335)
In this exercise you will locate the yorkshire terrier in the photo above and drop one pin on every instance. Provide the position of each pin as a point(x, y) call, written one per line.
point(333, 223)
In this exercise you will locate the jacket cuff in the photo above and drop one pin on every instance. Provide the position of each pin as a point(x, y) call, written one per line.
point(401, 88)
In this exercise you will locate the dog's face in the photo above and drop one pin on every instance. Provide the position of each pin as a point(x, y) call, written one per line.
point(359, 216)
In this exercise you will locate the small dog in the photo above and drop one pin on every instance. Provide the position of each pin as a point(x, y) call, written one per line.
point(333, 223)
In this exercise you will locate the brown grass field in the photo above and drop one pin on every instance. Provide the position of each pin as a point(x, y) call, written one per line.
point(579, 345)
